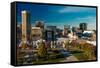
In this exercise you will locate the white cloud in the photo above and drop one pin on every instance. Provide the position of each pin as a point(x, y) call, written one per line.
point(87, 18)
point(75, 9)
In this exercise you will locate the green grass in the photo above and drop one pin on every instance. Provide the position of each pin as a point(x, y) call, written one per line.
point(81, 55)
point(48, 61)
point(52, 58)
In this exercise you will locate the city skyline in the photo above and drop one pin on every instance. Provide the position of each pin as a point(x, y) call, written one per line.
point(59, 15)
point(55, 33)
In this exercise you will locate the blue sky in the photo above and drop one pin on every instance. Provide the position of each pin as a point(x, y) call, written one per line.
point(59, 15)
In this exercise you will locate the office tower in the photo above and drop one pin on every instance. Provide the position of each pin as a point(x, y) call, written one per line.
point(26, 27)
point(49, 35)
point(40, 24)
point(52, 27)
point(67, 27)
point(74, 29)
point(36, 33)
point(19, 33)
point(66, 30)
point(83, 26)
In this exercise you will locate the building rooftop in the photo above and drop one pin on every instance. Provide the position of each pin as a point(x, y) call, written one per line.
point(24, 11)
point(35, 27)
point(88, 32)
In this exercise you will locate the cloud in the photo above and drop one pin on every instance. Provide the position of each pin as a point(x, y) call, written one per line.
point(87, 18)
point(75, 9)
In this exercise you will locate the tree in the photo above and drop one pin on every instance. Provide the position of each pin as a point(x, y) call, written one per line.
point(42, 51)
point(24, 45)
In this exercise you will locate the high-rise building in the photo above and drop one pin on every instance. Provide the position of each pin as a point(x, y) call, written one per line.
point(36, 33)
point(26, 26)
point(19, 33)
point(67, 27)
point(83, 26)
point(51, 33)
point(66, 30)
point(74, 29)
point(40, 24)
point(52, 27)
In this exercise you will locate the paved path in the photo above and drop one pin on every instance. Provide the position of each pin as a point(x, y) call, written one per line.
point(70, 58)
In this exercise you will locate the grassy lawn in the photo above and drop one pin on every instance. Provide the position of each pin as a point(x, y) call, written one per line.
point(82, 55)
point(40, 61)
point(53, 57)
point(83, 52)
point(48, 61)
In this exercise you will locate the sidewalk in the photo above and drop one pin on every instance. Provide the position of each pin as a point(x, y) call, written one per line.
point(70, 58)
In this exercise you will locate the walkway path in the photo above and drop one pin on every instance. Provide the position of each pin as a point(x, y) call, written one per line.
point(70, 58)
